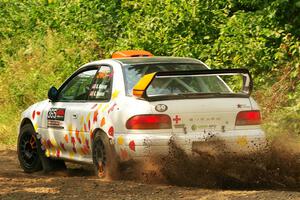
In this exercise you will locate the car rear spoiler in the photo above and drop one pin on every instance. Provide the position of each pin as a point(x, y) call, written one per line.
point(139, 90)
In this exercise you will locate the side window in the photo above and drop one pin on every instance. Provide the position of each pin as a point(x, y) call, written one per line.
point(78, 87)
point(101, 88)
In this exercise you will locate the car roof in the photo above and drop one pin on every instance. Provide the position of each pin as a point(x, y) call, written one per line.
point(144, 60)
point(156, 59)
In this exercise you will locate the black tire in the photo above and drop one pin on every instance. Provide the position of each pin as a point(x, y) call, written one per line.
point(104, 157)
point(27, 149)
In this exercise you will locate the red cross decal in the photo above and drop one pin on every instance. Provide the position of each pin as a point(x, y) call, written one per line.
point(177, 119)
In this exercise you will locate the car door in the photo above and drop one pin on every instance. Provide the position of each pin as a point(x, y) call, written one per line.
point(59, 138)
point(71, 117)
point(88, 115)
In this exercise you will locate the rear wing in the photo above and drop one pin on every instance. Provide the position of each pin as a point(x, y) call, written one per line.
point(141, 87)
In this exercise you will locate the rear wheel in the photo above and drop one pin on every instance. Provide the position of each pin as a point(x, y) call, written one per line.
point(28, 150)
point(104, 157)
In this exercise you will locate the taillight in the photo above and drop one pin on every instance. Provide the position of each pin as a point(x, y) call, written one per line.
point(149, 122)
point(251, 117)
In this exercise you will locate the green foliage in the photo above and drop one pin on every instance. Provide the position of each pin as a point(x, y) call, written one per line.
point(43, 42)
point(284, 121)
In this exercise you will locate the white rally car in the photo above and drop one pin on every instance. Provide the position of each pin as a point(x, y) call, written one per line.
point(131, 107)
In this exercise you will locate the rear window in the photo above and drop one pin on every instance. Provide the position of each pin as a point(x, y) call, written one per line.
point(187, 85)
point(133, 73)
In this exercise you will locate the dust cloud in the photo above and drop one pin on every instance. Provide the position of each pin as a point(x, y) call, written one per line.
point(276, 167)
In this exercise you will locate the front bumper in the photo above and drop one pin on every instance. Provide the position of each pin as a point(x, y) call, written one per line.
point(146, 144)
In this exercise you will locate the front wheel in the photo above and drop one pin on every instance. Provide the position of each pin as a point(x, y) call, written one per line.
point(104, 157)
point(28, 150)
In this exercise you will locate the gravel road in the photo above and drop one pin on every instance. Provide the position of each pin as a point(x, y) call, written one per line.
point(78, 182)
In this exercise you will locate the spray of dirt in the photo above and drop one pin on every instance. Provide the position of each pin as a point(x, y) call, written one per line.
point(146, 171)
point(276, 168)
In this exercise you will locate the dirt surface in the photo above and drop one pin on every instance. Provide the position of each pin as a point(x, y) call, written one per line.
point(78, 182)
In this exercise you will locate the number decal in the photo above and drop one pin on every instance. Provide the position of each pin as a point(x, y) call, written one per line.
point(56, 114)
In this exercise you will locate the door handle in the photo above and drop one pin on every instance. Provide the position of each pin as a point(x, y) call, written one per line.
point(74, 116)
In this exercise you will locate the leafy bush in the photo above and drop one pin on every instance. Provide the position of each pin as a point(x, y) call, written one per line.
point(43, 42)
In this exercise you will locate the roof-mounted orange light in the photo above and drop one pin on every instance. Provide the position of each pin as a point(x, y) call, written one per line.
point(131, 53)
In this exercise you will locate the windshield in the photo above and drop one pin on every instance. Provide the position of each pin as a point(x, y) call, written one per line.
point(133, 73)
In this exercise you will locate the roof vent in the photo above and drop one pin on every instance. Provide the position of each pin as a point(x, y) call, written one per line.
point(131, 53)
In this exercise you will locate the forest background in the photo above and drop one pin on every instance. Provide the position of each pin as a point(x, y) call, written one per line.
point(43, 42)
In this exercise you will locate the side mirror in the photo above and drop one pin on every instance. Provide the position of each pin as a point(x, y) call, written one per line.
point(52, 93)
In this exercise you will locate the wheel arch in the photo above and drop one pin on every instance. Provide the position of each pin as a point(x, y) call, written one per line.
point(24, 122)
point(99, 131)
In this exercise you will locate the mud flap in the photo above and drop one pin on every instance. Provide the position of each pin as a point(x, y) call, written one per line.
point(44, 160)
point(47, 163)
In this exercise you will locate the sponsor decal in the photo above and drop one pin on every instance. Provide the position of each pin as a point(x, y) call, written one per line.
point(54, 124)
point(200, 119)
point(161, 107)
point(55, 117)
point(56, 114)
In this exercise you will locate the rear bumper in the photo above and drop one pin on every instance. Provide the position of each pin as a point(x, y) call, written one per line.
point(238, 142)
